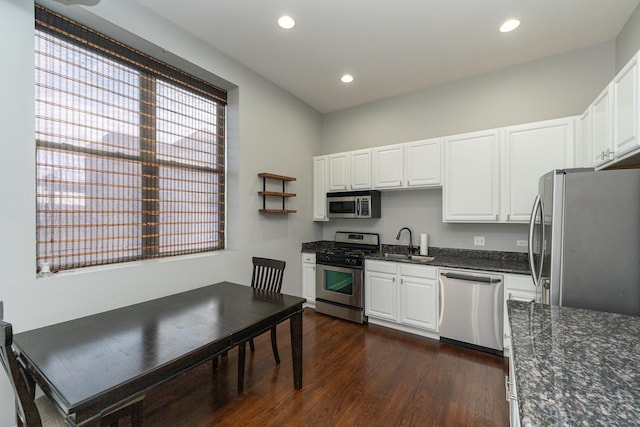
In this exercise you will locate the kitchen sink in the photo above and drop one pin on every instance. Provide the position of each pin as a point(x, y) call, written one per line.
point(423, 258)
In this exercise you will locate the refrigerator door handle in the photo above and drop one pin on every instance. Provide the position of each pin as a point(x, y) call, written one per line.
point(535, 275)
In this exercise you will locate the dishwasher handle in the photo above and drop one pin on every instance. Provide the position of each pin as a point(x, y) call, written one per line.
point(470, 278)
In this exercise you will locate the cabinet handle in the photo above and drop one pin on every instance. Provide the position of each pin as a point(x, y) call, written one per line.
point(394, 280)
point(507, 385)
point(507, 388)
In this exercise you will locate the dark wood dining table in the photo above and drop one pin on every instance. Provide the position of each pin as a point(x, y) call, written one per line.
point(91, 365)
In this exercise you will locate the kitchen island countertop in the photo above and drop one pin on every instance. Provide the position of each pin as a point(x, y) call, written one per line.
point(575, 367)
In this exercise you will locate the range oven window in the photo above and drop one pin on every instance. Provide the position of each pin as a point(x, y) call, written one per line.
point(337, 281)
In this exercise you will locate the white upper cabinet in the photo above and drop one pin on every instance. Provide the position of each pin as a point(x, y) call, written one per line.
point(422, 163)
point(320, 169)
point(388, 166)
point(471, 188)
point(350, 171)
point(601, 128)
point(529, 151)
point(339, 172)
point(624, 92)
point(361, 169)
point(584, 149)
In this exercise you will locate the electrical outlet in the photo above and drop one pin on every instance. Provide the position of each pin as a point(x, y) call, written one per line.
point(521, 243)
point(478, 240)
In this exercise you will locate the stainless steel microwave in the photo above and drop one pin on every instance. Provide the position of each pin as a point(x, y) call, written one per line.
point(354, 204)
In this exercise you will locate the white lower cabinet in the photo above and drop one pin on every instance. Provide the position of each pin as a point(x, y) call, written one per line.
point(380, 290)
point(309, 278)
point(517, 287)
point(512, 394)
point(402, 296)
point(418, 296)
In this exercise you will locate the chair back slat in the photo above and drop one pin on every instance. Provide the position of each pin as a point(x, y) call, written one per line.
point(27, 412)
point(267, 274)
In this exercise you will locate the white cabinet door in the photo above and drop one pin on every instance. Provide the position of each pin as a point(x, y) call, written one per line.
point(584, 153)
point(309, 278)
point(339, 172)
point(380, 295)
point(380, 290)
point(418, 302)
point(388, 166)
point(320, 169)
point(530, 151)
point(602, 138)
point(418, 296)
point(512, 391)
point(624, 90)
point(361, 170)
point(520, 288)
point(422, 163)
point(471, 189)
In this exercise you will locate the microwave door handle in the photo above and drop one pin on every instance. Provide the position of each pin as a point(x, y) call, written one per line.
point(358, 206)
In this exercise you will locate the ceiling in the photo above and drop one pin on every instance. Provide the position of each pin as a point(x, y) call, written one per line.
point(391, 47)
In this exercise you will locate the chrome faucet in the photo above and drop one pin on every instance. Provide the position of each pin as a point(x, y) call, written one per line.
point(411, 248)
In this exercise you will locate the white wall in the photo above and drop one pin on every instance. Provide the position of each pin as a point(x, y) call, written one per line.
point(628, 41)
point(558, 86)
point(267, 128)
point(421, 211)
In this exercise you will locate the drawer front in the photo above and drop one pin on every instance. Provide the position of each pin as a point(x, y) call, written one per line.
point(414, 270)
point(381, 266)
point(308, 257)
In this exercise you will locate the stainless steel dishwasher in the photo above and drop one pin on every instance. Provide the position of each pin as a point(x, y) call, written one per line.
point(471, 306)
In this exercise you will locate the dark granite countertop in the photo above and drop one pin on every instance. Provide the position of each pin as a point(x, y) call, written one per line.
point(575, 367)
point(495, 261)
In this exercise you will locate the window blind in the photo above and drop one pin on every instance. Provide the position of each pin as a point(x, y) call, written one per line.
point(130, 152)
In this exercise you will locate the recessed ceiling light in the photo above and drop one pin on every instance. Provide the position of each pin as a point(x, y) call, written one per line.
point(286, 22)
point(509, 25)
point(347, 78)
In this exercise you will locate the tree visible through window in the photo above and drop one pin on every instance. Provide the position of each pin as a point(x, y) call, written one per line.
point(130, 155)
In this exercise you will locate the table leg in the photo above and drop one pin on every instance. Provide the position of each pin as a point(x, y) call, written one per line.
point(295, 323)
point(241, 355)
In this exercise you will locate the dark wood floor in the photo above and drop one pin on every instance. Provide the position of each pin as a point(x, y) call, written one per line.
point(353, 376)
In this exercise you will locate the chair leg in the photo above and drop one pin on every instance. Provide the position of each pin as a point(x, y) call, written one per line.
point(253, 347)
point(274, 345)
point(241, 356)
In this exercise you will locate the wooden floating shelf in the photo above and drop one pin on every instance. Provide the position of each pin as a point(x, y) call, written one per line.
point(276, 193)
point(280, 211)
point(264, 193)
point(274, 176)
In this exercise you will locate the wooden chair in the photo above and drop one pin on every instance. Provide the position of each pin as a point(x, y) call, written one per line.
point(29, 412)
point(41, 412)
point(267, 276)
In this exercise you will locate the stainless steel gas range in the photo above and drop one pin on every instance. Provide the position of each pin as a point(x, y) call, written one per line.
point(340, 275)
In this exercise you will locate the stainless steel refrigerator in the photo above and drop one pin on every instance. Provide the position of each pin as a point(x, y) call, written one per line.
point(584, 240)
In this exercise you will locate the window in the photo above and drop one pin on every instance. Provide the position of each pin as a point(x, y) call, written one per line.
point(130, 152)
